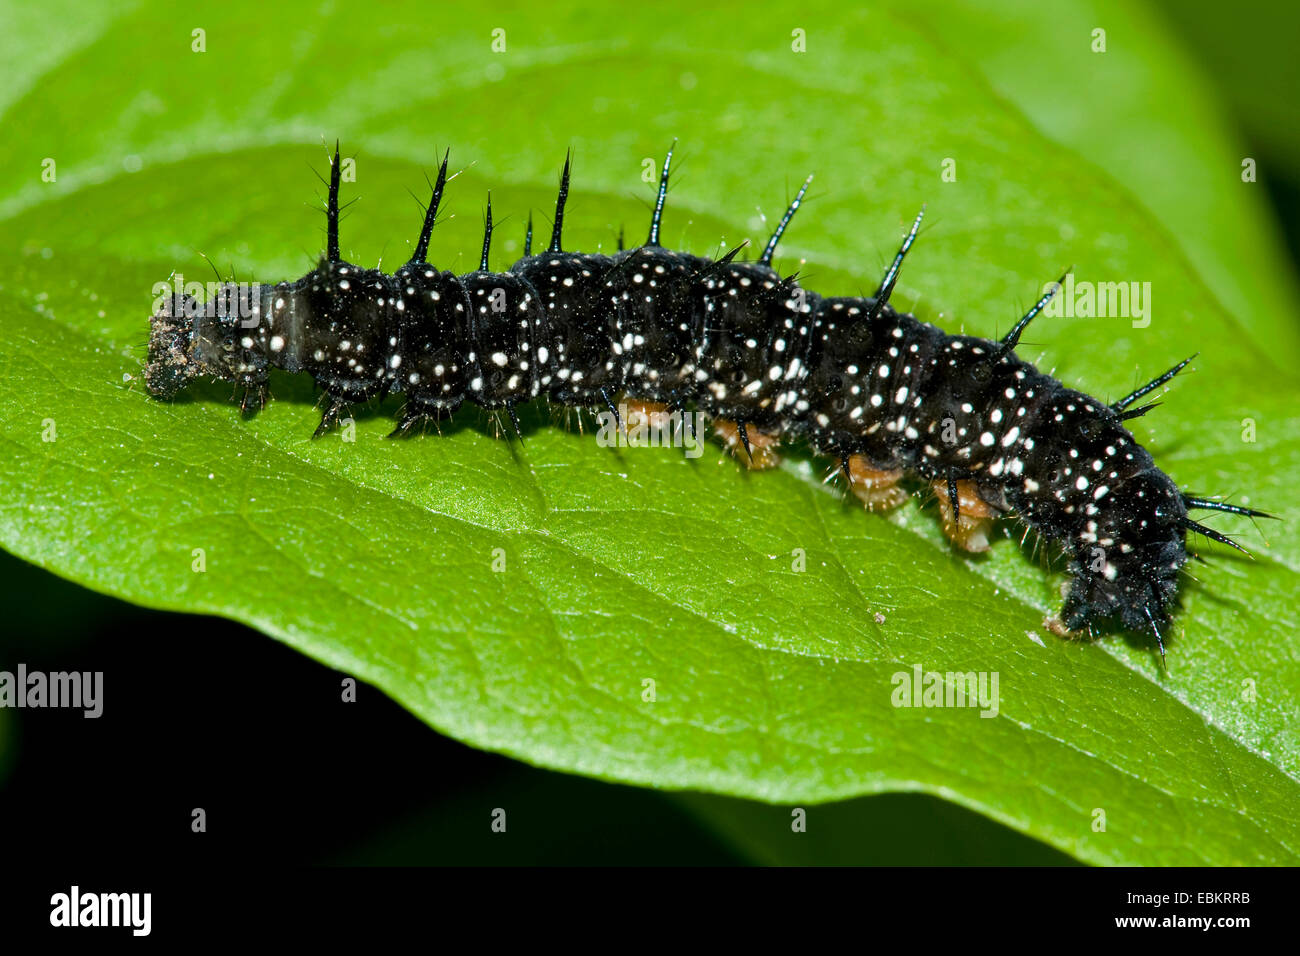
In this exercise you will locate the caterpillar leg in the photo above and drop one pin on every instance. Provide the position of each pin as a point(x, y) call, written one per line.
point(877, 488)
point(974, 520)
point(1061, 629)
point(755, 448)
point(643, 414)
point(656, 424)
point(414, 418)
point(330, 418)
point(253, 400)
point(408, 424)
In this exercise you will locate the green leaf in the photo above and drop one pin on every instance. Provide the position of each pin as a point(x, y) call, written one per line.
point(622, 567)
point(1141, 112)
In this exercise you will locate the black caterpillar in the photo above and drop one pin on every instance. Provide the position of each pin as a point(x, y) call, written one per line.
point(879, 391)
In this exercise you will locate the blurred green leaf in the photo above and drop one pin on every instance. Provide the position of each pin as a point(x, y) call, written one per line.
point(622, 567)
point(1251, 56)
point(1141, 112)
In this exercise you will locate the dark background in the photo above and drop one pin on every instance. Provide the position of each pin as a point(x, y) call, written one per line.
point(206, 713)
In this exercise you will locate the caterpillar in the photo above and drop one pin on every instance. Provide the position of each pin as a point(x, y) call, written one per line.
point(884, 395)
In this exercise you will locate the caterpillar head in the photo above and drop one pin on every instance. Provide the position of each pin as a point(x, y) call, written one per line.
point(1130, 573)
point(218, 338)
point(171, 332)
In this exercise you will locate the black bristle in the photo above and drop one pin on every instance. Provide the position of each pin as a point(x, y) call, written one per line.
point(431, 216)
point(770, 249)
point(332, 209)
point(1209, 504)
point(1012, 338)
point(487, 236)
point(887, 284)
point(1197, 528)
point(1150, 386)
point(661, 195)
point(559, 205)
